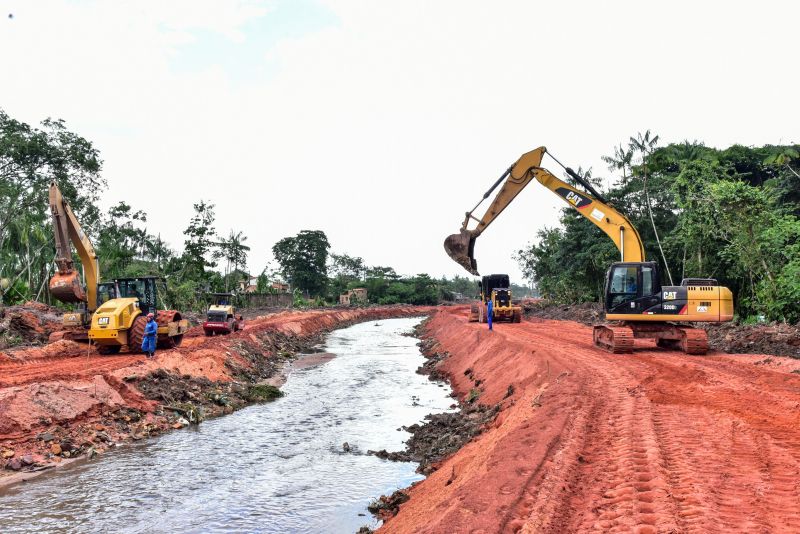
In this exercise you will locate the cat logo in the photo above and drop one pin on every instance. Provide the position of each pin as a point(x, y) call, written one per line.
point(670, 295)
point(574, 198)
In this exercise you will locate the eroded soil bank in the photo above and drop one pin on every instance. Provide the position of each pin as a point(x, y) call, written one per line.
point(63, 400)
point(655, 441)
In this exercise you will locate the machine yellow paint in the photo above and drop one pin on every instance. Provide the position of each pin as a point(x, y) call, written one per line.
point(109, 325)
point(651, 315)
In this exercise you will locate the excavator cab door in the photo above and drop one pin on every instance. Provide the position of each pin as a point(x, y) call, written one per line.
point(633, 289)
point(105, 292)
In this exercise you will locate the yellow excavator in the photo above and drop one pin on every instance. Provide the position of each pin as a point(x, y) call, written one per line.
point(111, 314)
point(636, 302)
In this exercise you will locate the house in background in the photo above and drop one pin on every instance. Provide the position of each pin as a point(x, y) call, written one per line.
point(249, 284)
point(353, 296)
point(280, 287)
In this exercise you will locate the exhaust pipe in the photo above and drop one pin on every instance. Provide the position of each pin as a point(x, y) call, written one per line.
point(461, 247)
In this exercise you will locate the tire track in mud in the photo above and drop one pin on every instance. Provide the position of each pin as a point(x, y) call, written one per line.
point(619, 483)
point(718, 465)
point(655, 441)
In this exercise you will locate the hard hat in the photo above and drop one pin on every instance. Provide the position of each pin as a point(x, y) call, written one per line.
point(150, 315)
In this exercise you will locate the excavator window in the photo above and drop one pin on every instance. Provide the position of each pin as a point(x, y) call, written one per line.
point(105, 292)
point(623, 286)
point(647, 280)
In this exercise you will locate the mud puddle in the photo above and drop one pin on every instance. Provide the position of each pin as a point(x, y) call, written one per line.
point(277, 467)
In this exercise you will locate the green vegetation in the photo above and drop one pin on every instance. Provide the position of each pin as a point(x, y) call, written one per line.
point(262, 393)
point(728, 214)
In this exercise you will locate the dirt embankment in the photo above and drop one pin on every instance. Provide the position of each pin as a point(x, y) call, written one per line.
point(775, 338)
point(655, 441)
point(64, 400)
point(31, 323)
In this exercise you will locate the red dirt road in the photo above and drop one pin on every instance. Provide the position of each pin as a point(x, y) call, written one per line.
point(589, 441)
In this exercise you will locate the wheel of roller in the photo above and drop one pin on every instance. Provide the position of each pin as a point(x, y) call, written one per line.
point(517, 316)
point(163, 318)
point(106, 350)
point(136, 334)
point(694, 341)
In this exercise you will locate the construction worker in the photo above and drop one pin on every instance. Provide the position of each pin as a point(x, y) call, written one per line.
point(489, 313)
point(150, 331)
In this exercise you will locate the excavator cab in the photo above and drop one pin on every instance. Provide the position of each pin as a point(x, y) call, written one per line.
point(105, 292)
point(632, 287)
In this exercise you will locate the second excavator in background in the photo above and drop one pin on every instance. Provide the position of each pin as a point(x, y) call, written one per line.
point(111, 314)
point(636, 303)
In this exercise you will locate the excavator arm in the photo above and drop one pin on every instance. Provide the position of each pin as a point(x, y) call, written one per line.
point(65, 285)
point(461, 246)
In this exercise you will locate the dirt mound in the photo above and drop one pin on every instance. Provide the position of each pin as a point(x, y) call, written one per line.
point(30, 323)
point(586, 313)
point(780, 339)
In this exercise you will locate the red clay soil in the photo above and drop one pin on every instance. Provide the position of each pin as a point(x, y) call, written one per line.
point(68, 391)
point(653, 441)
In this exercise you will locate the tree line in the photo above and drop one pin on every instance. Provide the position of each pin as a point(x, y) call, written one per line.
point(731, 214)
point(33, 157)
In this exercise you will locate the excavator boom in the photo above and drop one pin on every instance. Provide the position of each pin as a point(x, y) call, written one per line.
point(65, 285)
point(461, 246)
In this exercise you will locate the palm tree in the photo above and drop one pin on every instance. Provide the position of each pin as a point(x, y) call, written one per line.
point(783, 157)
point(621, 160)
point(234, 251)
point(645, 144)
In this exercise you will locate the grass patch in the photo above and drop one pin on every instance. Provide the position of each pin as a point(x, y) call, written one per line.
point(262, 393)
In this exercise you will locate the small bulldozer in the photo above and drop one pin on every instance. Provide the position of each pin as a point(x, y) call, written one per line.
point(221, 318)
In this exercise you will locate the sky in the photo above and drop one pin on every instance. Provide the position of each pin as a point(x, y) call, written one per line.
point(382, 122)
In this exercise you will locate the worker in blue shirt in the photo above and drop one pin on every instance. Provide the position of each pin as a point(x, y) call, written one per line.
point(489, 313)
point(150, 332)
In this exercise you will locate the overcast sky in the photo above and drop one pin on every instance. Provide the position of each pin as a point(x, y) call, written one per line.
point(381, 123)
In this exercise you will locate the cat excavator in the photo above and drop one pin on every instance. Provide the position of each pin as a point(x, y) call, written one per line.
point(112, 314)
point(636, 303)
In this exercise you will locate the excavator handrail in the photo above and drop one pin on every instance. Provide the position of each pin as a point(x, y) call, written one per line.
point(460, 247)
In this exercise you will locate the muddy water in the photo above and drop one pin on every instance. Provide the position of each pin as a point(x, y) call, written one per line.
point(275, 467)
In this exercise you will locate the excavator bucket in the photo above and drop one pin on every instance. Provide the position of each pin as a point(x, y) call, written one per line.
point(460, 247)
point(67, 288)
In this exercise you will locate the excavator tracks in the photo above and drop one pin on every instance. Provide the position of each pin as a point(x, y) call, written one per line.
point(619, 338)
point(693, 340)
point(616, 339)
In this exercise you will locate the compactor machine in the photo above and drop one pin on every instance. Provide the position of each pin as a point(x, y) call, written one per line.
point(636, 303)
point(495, 288)
point(221, 317)
point(110, 314)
